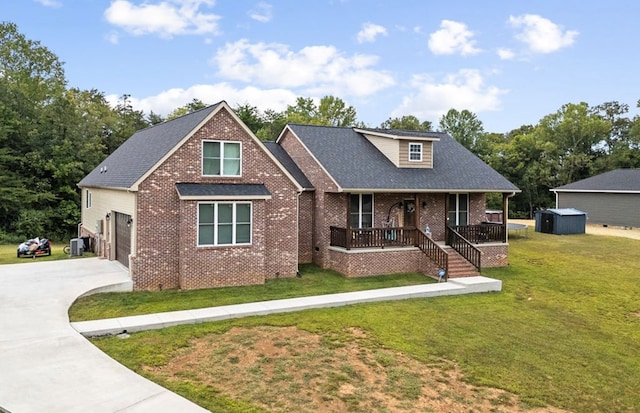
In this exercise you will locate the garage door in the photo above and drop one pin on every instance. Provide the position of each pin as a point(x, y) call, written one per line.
point(123, 238)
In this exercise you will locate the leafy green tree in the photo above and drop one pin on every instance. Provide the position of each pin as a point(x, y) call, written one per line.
point(154, 118)
point(127, 122)
point(251, 116)
point(194, 105)
point(32, 85)
point(463, 126)
point(273, 124)
point(331, 111)
point(576, 131)
point(407, 122)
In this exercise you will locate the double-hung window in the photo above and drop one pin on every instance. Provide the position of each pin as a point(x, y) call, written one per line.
point(361, 214)
point(415, 152)
point(458, 209)
point(224, 223)
point(221, 158)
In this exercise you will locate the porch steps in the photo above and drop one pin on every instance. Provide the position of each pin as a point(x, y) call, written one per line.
point(460, 267)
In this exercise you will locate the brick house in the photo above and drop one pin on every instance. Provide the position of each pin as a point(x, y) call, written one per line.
point(388, 201)
point(194, 202)
point(199, 201)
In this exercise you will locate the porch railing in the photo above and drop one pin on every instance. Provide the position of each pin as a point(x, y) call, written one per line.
point(373, 237)
point(434, 251)
point(463, 247)
point(482, 233)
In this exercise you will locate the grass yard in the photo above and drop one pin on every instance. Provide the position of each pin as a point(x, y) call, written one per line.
point(8, 254)
point(563, 334)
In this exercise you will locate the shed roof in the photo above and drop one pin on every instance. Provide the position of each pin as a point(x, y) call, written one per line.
point(618, 181)
point(356, 164)
point(565, 211)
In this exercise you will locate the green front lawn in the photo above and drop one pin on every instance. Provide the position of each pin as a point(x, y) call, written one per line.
point(313, 281)
point(565, 330)
point(8, 254)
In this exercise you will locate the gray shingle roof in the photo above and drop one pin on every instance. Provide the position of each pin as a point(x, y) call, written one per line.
point(283, 157)
point(355, 163)
point(618, 180)
point(138, 154)
point(222, 190)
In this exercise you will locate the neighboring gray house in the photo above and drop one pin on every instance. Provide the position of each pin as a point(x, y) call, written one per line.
point(611, 198)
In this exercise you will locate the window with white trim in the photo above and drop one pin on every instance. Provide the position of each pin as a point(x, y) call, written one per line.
point(361, 214)
point(221, 158)
point(87, 195)
point(458, 209)
point(415, 152)
point(224, 223)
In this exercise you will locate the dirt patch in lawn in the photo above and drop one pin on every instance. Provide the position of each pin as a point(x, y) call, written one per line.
point(286, 369)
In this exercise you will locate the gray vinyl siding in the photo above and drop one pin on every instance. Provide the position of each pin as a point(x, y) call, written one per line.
point(604, 208)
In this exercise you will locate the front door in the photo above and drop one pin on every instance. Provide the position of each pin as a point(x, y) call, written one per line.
point(409, 213)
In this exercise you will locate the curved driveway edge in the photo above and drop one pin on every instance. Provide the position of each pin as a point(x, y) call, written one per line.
point(46, 365)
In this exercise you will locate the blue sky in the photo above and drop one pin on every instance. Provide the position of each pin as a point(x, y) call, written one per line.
point(510, 62)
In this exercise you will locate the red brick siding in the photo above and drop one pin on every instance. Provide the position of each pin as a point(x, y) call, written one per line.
point(477, 208)
point(494, 255)
point(167, 251)
point(202, 267)
point(325, 209)
point(365, 264)
point(306, 217)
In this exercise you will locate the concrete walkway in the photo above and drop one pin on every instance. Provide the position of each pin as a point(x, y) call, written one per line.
point(160, 320)
point(47, 366)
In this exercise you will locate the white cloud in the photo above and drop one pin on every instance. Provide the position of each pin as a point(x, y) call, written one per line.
point(541, 35)
point(167, 101)
point(50, 3)
point(310, 69)
point(506, 54)
point(453, 37)
point(370, 32)
point(165, 18)
point(262, 12)
point(465, 89)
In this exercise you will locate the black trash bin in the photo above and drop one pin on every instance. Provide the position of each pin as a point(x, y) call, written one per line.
point(86, 241)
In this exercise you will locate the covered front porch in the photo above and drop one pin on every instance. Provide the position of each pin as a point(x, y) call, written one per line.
point(434, 224)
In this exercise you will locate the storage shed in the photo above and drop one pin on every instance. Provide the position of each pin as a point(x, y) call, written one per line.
point(561, 221)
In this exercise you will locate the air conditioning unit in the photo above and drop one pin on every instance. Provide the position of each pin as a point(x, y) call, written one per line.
point(76, 247)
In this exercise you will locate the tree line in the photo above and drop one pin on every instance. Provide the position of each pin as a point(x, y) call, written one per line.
point(52, 135)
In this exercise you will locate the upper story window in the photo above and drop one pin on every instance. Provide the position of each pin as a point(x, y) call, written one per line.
point(221, 158)
point(415, 152)
point(87, 196)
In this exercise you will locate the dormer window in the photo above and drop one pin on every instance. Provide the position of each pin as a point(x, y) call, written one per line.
point(221, 158)
point(415, 152)
point(404, 149)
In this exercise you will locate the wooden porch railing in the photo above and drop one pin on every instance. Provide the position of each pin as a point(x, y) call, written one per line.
point(434, 251)
point(464, 247)
point(372, 237)
point(482, 233)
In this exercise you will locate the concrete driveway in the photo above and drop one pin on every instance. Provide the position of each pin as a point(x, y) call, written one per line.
point(46, 365)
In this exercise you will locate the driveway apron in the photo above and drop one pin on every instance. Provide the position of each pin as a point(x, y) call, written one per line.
point(46, 365)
